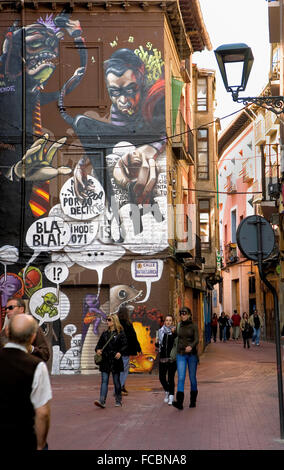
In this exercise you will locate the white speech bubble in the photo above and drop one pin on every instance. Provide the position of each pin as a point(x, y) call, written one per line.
point(70, 329)
point(49, 304)
point(147, 271)
point(48, 234)
point(82, 233)
point(96, 256)
point(90, 207)
point(56, 272)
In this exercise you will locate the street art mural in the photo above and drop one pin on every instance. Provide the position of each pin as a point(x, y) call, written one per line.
point(111, 199)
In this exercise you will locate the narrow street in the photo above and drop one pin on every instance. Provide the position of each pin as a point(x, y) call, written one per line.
point(237, 408)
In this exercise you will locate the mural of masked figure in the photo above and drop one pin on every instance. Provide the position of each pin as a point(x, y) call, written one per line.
point(137, 115)
point(25, 153)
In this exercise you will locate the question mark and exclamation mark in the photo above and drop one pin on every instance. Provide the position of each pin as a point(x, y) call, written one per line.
point(56, 273)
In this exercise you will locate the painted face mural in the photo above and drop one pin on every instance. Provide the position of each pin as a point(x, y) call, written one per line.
point(113, 205)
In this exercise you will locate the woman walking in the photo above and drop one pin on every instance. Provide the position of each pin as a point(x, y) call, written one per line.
point(187, 357)
point(133, 345)
point(245, 329)
point(167, 367)
point(214, 326)
point(111, 362)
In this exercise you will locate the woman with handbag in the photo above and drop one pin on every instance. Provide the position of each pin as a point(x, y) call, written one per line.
point(167, 366)
point(187, 341)
point(110, 347)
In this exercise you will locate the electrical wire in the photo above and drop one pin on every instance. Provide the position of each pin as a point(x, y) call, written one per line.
point(30, 134)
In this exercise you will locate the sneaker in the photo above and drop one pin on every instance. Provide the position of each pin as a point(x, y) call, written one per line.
point(171, 399)
point(252, 342)
point(166, 399)
point(118, 403)
point(99, 403)
point(124, 391)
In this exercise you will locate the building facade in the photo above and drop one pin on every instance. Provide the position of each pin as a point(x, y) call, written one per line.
point(96, 146)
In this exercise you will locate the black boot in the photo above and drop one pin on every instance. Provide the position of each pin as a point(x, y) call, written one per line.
point(179, 401)
point(193, 396)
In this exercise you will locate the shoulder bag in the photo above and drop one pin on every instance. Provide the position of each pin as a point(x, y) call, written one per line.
point(99, 357)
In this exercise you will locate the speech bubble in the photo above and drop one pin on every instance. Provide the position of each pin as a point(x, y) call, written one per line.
point(147, 271)
point(56, 272)
point(70, 329)
point(48, 234)
point(81, 233)
point(90, 207)
point(96, 256)
point(8, 255)
point(49, 304)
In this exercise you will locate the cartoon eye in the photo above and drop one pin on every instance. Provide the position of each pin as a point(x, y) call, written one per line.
point(150, 359)
point(122, 294)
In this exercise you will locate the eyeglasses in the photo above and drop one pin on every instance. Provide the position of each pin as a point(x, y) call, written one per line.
point(109, 319)
point(11, 307)
point(183, 312)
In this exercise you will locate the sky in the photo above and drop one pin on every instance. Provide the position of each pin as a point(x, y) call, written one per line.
point(231, 21)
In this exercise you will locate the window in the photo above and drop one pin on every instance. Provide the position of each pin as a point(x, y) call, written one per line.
point(201, 94)
point(233, 225)
point(202, 154)
point(204, 223)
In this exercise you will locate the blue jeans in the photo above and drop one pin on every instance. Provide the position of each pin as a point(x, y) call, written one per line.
point(104, 386)
point(183, 361)
point(124, 374)
point(256, 335)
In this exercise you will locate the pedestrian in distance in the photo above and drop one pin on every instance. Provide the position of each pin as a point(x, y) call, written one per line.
point(214, 326)
point(167, 366)
point(256, 322)
point(228, 327)
point(222, 320)
point(245, 329)
point(133, 345)
point(236, 320)
point(115, 342)
point(25, 390)
point(188, 339)
point(39, 348)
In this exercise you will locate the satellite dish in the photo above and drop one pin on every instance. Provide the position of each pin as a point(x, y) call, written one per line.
point(255, 234)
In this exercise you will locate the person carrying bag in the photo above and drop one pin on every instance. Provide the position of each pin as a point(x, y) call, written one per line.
point(111, 346)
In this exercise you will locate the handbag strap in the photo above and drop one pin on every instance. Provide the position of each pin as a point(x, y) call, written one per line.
point(113, 334)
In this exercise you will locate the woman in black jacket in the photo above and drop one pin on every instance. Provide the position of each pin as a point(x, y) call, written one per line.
point(111, 359)
point(167, 367)
point(187, 357)
point(133, 346)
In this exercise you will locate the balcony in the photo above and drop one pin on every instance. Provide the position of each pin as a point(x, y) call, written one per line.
point(195, 262)
point(181, 138)
point(271, 123)
point(230, 253)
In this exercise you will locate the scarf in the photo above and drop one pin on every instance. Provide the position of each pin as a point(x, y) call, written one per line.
point(163, 331)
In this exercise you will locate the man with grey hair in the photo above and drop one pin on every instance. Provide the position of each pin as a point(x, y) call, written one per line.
point(25, 389)
point(39, 347)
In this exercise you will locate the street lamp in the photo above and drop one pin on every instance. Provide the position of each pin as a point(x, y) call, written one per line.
point(235, 62)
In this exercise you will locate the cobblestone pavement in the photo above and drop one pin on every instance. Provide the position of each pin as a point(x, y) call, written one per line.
point(237, 408)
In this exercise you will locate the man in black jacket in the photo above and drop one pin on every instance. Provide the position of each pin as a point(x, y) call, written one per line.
point(25, 390)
